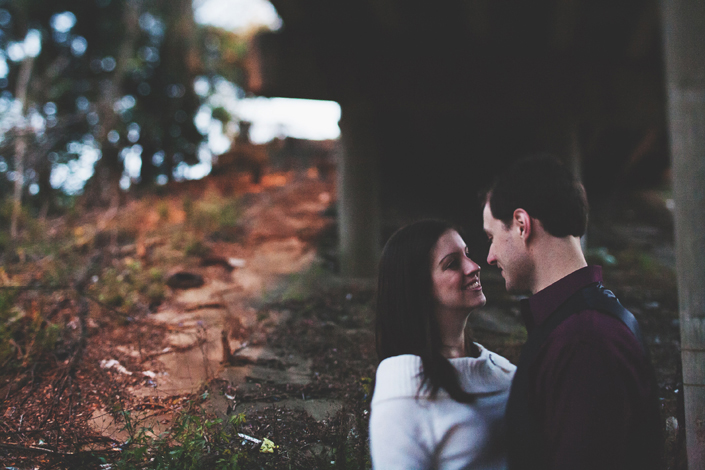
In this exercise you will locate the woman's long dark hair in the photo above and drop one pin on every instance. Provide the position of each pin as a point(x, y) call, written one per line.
point(405, 319)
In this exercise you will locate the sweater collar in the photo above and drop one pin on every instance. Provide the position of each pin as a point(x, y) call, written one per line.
point(399, 376)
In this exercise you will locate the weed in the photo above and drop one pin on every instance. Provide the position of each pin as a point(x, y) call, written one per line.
point(4, 240)
point(163, 210)
point(111, 290)
point(8, 347)
point(262, 315)
point(194, 441)
point(25, 336)
point(188, 207)
point(302, 285)
point(196, 247)
point(212, 213)
point(129, 284)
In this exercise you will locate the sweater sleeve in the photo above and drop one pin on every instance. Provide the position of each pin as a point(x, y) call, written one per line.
point(397, 438)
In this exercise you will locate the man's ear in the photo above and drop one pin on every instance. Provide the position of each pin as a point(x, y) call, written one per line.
point(523, 222)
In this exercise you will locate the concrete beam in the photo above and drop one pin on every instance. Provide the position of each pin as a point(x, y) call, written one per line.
point(358, 193)
point(684, 39)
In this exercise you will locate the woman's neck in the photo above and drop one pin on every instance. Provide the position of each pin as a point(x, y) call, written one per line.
point(452, 329)
point(450, 351)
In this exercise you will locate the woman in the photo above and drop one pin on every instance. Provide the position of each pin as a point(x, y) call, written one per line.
point(439, 398)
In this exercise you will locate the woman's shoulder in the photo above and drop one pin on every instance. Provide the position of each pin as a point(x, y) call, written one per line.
point(404, 363)
point(398, 377)
point(487, 373)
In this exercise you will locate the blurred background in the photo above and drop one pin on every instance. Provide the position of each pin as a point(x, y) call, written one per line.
point(163, 158)
point(102, 98)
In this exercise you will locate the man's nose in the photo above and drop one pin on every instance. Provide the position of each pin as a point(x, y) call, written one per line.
point(491, 259)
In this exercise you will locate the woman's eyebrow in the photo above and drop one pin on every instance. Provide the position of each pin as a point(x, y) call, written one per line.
point(452, 253)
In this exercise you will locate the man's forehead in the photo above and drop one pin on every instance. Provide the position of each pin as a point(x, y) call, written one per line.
point(487, 216)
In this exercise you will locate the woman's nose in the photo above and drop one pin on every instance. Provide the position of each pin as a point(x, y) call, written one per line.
point(470, 266)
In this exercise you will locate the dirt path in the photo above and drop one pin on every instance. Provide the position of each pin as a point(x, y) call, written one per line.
point(281, 223)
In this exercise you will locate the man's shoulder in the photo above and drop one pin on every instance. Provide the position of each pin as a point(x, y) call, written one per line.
point(593, 328)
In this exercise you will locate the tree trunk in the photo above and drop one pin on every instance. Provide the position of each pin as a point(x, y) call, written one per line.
point(684, 40)
point(104, 187)
point(20, 144)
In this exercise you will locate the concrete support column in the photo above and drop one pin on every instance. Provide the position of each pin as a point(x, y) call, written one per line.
point(358, 193)
point(684, 41)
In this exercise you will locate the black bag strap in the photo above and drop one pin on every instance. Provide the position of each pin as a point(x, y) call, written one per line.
point(599, 298)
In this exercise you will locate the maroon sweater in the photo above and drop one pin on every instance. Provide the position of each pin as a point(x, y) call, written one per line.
point(591, 385)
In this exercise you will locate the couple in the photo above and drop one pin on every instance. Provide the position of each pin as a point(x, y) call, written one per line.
point(583, 395)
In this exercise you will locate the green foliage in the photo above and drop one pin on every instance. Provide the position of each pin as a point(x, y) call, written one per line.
point(212, 213)
point(638, 261)
point(128, 284)
point(4, 239)
point(33, 229)
point(196, 247)
point(301, 286)
point(5, 211)
point(163, 210)
point(195, 441)
point(188, 207)
point(7, 349)
point(24, 335)
point(221, 114)
point(601, 256)
point(152, 53)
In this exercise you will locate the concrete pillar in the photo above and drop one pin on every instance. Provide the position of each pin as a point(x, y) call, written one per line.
point(358, 193)
point(684, 48)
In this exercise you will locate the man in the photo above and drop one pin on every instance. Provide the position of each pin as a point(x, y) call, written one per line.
point(584, 395)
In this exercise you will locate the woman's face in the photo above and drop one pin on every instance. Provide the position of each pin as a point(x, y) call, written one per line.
point(455, 277)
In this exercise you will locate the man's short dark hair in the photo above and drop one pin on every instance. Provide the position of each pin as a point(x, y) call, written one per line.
point(546, 190)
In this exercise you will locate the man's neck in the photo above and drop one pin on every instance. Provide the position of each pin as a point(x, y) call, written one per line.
point(555, 258)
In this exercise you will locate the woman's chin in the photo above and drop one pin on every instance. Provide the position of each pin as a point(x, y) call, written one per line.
point(480, 301)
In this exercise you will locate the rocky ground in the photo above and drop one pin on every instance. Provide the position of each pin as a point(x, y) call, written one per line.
point(258, 331)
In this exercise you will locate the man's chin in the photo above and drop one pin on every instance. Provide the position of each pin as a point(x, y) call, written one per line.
point(516, 290)
point(511, 287)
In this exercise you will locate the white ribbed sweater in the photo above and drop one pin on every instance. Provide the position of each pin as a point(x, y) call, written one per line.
point(408, 433)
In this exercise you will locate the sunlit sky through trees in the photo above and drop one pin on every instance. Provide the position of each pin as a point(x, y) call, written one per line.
point(306, 119)
point(270, 117)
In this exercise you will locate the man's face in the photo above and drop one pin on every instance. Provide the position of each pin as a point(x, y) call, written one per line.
point(508, 252)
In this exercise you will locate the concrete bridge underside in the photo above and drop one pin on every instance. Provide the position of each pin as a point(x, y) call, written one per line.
point(438, 96)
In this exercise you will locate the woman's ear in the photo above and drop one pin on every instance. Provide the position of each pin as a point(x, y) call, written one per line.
point(523, 223)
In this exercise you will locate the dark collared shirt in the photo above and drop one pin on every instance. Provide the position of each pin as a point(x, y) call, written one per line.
point(591, 385)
